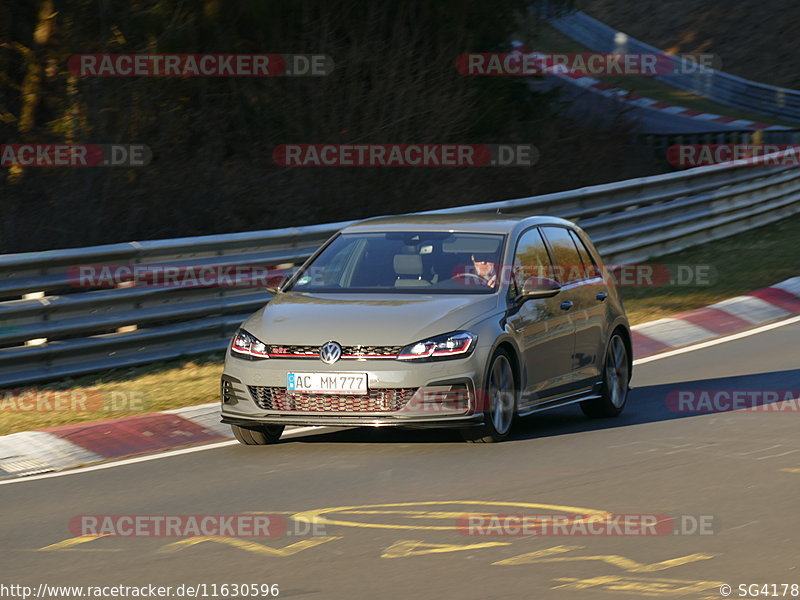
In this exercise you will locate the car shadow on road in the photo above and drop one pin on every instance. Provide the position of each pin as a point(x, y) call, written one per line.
point(646, 404)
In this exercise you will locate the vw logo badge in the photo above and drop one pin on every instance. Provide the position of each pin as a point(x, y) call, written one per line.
point(330, 352)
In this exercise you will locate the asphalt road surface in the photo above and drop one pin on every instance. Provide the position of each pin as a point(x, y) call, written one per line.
point(387, 503)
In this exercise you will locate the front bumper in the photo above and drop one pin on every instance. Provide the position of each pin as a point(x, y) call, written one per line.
point(443, 393)
point(357, 421)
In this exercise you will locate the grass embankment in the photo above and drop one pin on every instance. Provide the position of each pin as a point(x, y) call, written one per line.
point(739, 264)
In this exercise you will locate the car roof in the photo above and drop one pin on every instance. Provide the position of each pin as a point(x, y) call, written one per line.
point(465, 222)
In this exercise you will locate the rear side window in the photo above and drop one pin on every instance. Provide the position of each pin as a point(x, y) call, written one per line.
point(589, 265)
point(566, 260)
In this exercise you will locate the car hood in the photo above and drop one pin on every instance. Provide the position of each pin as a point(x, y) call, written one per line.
point(361, 319)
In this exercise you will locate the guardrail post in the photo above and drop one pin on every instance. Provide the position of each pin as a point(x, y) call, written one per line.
point(35, 296)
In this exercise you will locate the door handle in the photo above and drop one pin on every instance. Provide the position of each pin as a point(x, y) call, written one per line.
point(566, 305)
point(601, 296)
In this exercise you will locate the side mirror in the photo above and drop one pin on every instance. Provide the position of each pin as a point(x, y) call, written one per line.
point(275, 283)
point(538, 287)
point(279, 276)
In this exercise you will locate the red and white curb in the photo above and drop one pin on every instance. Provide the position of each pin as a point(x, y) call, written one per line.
point(595, 85)
point(68, 446)
point(729, 316)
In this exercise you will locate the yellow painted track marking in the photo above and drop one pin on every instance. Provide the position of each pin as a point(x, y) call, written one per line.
point(319, 515)
point(69, 544)
point(639, 586)
point(615, 560)
point(405, 548)
point(529, 557)
point(268, 512)
point(249, 545)
point(416, 514)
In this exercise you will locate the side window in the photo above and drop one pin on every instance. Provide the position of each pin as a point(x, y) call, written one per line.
point(531, 258)
point(338, 269)
point(566, 261)
point(589, 265)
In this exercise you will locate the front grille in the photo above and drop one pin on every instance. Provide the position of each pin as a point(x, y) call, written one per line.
point(357, 351)
point(383, 400)
point(348, 352)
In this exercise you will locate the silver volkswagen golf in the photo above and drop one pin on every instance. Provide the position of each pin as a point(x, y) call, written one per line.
point(461, 321)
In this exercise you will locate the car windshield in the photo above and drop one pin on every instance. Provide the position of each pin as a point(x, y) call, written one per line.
point(405, 262)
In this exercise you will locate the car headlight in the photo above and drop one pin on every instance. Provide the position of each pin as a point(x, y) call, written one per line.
point(248, 346)
point(450, 345)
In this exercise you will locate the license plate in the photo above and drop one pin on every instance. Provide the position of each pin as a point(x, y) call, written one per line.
point(327, 383)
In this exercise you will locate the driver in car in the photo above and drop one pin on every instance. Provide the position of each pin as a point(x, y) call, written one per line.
point(485, 268)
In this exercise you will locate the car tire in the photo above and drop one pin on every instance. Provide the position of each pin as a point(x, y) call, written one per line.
point(261, 436)
point(501, 392)
point(616, 377)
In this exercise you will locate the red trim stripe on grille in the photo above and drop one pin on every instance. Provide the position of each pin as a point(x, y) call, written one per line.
point(282, 355)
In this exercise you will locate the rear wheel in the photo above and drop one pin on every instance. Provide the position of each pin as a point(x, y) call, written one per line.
point(501, 395)
point(257, 435)
point(616, 376)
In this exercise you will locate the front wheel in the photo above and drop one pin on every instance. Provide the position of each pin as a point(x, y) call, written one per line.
point(257, 436)
point(616, 377)
point(501, 395)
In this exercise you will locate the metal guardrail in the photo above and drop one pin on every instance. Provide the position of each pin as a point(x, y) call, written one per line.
point(50, 329)
point(716, 85)
point(735, 136)
point(660, 142)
